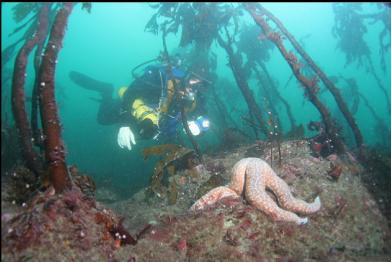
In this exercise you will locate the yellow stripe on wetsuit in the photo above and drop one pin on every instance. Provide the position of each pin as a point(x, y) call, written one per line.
point(141, 111)
point(164, 108)
point(170, 94)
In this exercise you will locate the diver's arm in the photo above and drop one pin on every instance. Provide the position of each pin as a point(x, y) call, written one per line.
point(126, 137)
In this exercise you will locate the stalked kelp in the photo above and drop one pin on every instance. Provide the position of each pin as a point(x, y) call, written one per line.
point(36, 38)
point(350, 28)
point(21, 12)
point(214, 23)
point(257, 54)
point(242, 83)
point(46, 17)
point(311, 85)
point(71, 225)
point(54, 146)
point(200, 24)
point(63, 204)
point(55, 156)
point(322, 76)
point(18, 96)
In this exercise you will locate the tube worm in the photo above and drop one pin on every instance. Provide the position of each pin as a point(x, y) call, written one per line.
point(54, 146)
point(311, 86)
point(326, 81)
point(242, 84)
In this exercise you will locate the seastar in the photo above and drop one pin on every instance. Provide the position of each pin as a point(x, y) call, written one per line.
point(252, 176)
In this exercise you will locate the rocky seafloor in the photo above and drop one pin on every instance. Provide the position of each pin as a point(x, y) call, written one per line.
point(349, 226)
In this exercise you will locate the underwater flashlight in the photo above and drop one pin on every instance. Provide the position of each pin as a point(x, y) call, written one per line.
point(199, 125)
point(194, 128)
point(203, 123)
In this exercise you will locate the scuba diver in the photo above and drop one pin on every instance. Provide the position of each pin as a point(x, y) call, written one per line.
point(150, 107)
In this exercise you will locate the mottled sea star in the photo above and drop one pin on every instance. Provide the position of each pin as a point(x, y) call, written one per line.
point(252, 176)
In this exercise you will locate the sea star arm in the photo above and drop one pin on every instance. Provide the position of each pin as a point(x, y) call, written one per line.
point(284, 195)
point(238, 175)
point(258, 197)
point(265, 203)
point(212, 197)
point(253, 175)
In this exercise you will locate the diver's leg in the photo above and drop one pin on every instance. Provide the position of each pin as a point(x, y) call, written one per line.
point(106, 89)
point(109, 111)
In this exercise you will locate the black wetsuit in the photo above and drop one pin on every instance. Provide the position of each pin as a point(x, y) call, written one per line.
point(111, 111)
point(116, 111)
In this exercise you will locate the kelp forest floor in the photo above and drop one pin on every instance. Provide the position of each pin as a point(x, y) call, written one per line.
point(349, 226)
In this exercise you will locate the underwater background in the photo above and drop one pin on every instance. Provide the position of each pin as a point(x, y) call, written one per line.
point(350, 43)
point(109, 42)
